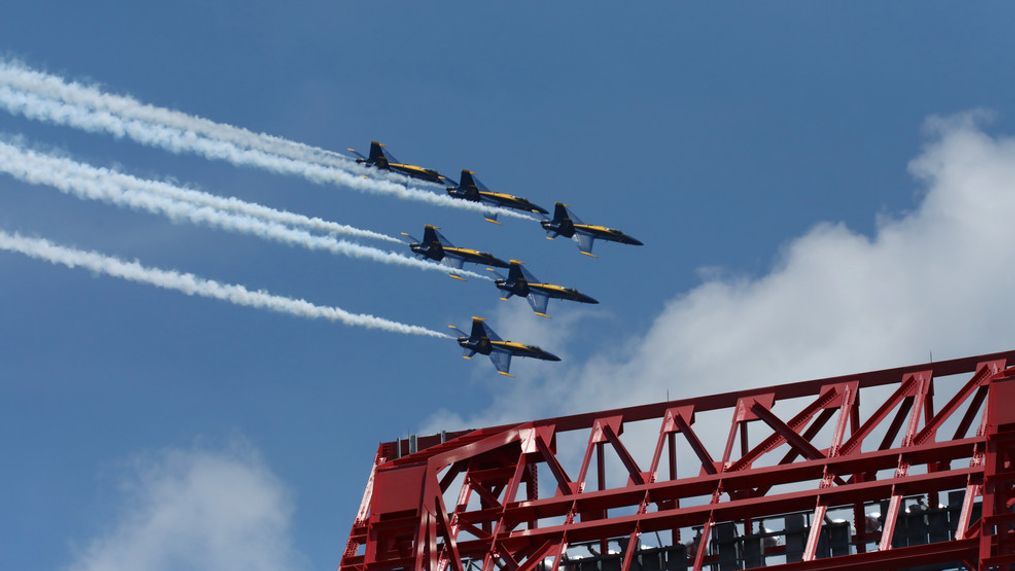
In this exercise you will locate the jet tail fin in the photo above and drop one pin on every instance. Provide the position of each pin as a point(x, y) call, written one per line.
point(430, 236)
point(467, 181)
point(560, 213)
point(480, 330)
point(515, 272)
point(376, 151)
point(433, 237)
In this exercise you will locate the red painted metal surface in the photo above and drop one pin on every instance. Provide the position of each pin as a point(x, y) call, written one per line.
point(879, 451)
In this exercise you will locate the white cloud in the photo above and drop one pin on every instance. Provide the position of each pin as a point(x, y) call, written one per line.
point(939, 278)
point(198, 509)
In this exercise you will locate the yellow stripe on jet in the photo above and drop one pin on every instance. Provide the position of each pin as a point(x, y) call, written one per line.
point(553, 287)
point(593, 228)
point(461, 250)
point(501, 195)
point(407, 167)
point(511, 344)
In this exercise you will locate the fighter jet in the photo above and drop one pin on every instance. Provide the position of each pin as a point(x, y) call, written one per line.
point(470, 188)
point(484, 341)
point(565, 223)
point(436, 247)
point(523, 284)
point(381, 159)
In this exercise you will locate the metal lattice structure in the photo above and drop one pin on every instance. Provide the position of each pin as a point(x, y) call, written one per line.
point(805, 478)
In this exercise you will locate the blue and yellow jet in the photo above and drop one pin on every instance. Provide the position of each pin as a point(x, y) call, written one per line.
point(565, 223)
point(381, 159)
point(523, 284)
point(436, 247)
point(470, 188)
point(484, 340)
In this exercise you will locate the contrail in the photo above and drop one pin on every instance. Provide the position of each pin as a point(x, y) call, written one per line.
point(228, 204)
point(20, 76)
point(190, 284)
point(180, 141)
point(85, 181)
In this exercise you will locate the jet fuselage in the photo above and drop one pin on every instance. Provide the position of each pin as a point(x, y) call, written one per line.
point(486, 346)
point(523, 288)
point(437, 252)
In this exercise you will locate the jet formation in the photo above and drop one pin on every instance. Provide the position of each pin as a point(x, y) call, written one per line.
point(519, 282)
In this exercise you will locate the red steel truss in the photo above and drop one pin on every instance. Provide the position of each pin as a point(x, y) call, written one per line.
point(793, 456)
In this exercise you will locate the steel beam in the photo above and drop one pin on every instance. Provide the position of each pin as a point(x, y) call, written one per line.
point(403, 522)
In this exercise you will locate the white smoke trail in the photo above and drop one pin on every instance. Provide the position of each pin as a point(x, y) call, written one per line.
point(19, 76)
point(85, 181)
point(228, 204)
point(178, 141)
point(193, 285)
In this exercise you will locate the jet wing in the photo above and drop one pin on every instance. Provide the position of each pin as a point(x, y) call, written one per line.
point(501, 360)
point(585, 242)
point(538, 301)
point(484, 199)
point(452, 261)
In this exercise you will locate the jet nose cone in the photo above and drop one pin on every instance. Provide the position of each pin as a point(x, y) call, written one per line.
point(552, 357)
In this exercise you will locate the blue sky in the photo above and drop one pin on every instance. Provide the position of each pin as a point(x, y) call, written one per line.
point(717, 136)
